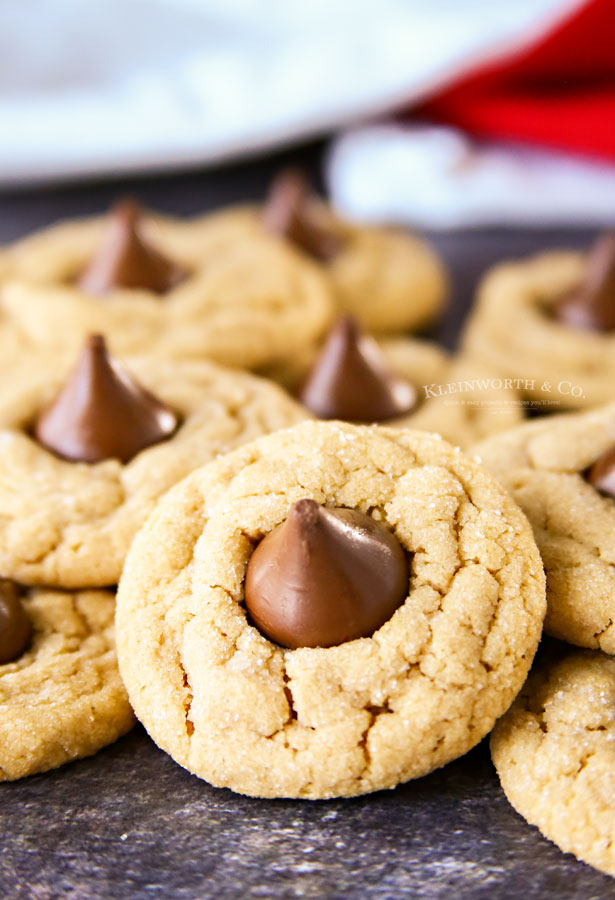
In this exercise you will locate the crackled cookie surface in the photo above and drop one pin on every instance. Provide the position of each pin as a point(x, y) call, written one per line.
point(543, 464)
point(63, 697)
point(313, 722)
point(69, 524)
point(512, 330)
point(241, 304)
point(555, 755)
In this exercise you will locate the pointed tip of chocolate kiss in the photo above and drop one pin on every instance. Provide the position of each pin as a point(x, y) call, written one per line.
point(351, 381)
point(95, 344)
point(15, 626)
point(101, 412)
point(287, 194)
point(324, 577)
point(293, 211)
point(602, 473)
point(128, 211)
point(306, 512)
point(591, 306)
point(124, 259)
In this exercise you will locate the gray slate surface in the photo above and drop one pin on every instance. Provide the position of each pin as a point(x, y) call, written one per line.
point(130, 823)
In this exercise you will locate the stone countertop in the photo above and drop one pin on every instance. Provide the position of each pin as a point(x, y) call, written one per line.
point(129, 824)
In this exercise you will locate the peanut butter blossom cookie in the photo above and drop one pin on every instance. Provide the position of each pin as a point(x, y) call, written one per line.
point(153, 286)
point(403, 382)
point(61, 695)
point(327, 611)
point(391, 280)
point(86, 454)
point(550, 321)
point(555, 754)
point(561, 472)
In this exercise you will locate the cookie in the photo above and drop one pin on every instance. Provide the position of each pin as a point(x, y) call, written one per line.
point(68, 523)
point(241, 711)
point(456, 397)
point(62, 698)
point(544, 464)
point(463, 404)
point(151, 286)
point(514, 331)
point(555, 755)
point(389, 279)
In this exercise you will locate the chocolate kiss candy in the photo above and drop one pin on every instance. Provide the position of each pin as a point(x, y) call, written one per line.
point(291, 211)
point(602, 473)
point(15, 626)
point(101, 412)
point(125, 259)
point(325, 576)
point(350, 380)
point(592, 306)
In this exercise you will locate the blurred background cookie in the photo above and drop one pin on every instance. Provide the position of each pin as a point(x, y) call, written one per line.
point(389, 279)
point(550, 320)
point(254, 303)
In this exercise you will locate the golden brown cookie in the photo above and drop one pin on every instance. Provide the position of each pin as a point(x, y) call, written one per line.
point(555, 754)
point(544, 466)
point(513, 331)
point(63, 697)
point(69, 524)
point(256, 302)
point(313, 722)
point(391, 280)
point(463, 404)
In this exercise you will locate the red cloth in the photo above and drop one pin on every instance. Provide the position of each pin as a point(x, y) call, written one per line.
point(559, 91)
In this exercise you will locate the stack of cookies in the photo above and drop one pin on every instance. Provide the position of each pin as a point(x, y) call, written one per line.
point(555, 749)
point(319, 595)
point(553, 317)
point(89, 442)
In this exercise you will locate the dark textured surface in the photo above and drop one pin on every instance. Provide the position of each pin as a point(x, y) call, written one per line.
point(128, 824)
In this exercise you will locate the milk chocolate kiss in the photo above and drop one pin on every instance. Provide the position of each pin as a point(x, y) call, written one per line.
point(293, 212)
point(325, 576)
point(101, 412)
point(125, 259)
point(350, 380)
point(602, 473)
point(591, 307)
point(15, 626)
